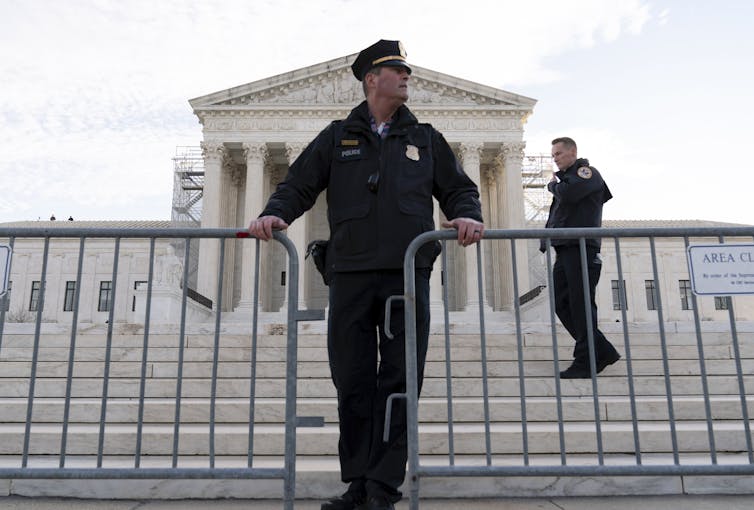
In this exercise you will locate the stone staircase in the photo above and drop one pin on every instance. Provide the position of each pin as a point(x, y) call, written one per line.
point(317, 445)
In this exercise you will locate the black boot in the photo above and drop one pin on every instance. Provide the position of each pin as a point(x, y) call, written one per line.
point(378, 503)
point(348, 501)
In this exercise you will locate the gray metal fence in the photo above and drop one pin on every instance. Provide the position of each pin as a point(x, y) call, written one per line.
point(653, 402)
point(727, 449)
point(110, 437)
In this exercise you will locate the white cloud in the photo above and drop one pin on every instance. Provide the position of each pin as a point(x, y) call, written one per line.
point(94, 93)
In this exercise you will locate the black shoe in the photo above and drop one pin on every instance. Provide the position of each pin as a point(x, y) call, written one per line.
point(347, 501)
point(580, 370)
point(377, 503)
point(576, 371)
point(605, 362)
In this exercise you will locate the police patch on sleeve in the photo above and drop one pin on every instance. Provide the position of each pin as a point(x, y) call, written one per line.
point(584, 172)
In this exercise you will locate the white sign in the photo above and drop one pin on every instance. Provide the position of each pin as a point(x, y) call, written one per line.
point(4, 268)
point(721, 269)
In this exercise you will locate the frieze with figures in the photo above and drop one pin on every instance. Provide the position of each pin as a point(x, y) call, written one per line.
point(341, 88)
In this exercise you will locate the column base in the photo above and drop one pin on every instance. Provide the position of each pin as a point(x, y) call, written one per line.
point(474, 308)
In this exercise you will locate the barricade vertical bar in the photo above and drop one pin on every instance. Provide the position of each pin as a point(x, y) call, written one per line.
point(739, 375)
point(412, 371)
point(483, 340)
point(703, 371)
point(520, 348)
point(448, 367)
point(592, 350)
point(215, 356)
point(181, 349)
point(71, 353)
point(144, 354)
point(555, 356)
point(253, 358)
point(35, 353)
point(627, 347)
point(108, 354)
point(289, 484)
point(6, 297)
point(664, 346)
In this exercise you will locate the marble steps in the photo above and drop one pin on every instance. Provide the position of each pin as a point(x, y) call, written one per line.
point(461, 334)
point(532, 336)
point(431, 410)
point(321, 370)
point(612, 382)
point(469, 438)
point(458, 354)
point(317, 466)
point(465, 363)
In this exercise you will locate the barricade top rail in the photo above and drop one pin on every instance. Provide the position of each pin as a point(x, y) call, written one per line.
point(561, 233)
point(123, 232)
point(530, 233)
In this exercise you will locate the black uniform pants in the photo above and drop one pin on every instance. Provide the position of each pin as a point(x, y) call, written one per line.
point(355, 337)
point(569, 300)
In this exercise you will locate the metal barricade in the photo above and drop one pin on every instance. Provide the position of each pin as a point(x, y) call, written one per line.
point(635, 392)
point(127, 463)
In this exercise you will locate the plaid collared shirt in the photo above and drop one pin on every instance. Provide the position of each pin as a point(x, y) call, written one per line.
point(381, 130)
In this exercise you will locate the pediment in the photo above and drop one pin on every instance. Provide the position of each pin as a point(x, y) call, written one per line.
point(332, 84)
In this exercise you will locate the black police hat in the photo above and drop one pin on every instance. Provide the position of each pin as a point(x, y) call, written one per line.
point(381, 53)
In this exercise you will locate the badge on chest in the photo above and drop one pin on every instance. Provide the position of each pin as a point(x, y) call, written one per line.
point(412, 152)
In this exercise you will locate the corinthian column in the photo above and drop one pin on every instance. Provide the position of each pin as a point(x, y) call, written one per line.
point(497, 245)
point(513, 210)
point(255, 154)
point(231, 179)
point(213, 153)
point(297, 232)
point(471, 154)
point(504, 276)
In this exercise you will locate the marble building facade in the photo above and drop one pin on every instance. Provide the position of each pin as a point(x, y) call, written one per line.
point(252, 133)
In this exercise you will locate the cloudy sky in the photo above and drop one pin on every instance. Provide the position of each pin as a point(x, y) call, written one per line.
point(94, 94)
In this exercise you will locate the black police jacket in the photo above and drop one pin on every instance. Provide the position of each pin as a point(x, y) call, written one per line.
point(577, 201)
point(379, 191)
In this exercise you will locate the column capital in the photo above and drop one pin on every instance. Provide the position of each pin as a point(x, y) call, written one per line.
point(293, 150)
point(469, 150)
point(255, 152)
point(213, 151)
point(513, 150)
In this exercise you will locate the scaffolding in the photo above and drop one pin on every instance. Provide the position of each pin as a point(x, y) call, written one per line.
point(188, 189)
point(188, 185)
point(536, 172)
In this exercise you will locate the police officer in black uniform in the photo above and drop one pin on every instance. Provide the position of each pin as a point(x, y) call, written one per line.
point(578, 193)
point(381, 168)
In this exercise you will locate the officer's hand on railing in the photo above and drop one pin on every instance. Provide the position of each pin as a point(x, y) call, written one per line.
point(262, 227)
point(470, 230)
